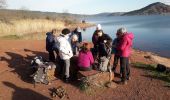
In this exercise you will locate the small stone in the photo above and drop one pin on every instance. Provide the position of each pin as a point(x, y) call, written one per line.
point(111, 85)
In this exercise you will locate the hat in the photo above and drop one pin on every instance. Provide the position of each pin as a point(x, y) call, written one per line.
point(75, 37)
point(99, 27)
point(78, 29)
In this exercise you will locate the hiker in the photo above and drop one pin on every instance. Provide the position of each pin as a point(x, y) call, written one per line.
point(124, 50)
point(65, 53)
point(95, 39)
point(49, 44)
point(85, 58)
point(104, 50)
point(75, 45)
point(115, 52)
point(77, 31)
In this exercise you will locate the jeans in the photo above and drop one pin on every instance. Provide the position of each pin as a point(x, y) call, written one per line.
point(115, 63)
point(64, 68)
point(124, 68)
point(51, 56)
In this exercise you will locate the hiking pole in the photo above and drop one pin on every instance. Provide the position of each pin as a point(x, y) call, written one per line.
point(110, 72)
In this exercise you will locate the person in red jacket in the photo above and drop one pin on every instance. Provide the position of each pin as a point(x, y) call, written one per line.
point(85, 58)
point(124, 50)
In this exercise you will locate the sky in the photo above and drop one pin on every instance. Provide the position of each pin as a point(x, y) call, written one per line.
point(81, 6)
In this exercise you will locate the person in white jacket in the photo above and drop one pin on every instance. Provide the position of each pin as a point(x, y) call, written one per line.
point(65, 52)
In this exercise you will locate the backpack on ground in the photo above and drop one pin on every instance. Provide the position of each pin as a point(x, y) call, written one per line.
point(41, 69)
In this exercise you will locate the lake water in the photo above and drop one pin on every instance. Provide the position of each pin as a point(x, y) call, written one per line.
point(152, 33)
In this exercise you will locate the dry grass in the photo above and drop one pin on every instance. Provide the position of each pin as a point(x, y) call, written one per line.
point(34, 28)
point(27, 26)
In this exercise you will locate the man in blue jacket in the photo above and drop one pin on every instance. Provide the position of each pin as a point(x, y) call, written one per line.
point(50, 44)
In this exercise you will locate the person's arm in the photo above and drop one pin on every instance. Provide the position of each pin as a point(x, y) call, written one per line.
point(109, 40)
point(91, 58)
point(114, 43)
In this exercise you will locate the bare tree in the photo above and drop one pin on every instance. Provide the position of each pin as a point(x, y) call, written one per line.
point(3, 3)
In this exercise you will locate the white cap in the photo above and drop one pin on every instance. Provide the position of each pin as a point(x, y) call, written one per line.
point(78, 29)
point(99, 27)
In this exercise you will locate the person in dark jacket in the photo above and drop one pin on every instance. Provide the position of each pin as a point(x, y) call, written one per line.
point(50, 43)
point(95, 39)
point(77, 31)
point(104, 50)
point(115, 51)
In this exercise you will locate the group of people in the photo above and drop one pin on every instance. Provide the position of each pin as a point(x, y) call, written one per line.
point(69, 44)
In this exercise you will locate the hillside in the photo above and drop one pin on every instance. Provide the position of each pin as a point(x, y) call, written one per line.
point(26, 14)
point(152, 9)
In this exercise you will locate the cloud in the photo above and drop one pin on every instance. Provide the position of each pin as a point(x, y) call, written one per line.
point(46, 5)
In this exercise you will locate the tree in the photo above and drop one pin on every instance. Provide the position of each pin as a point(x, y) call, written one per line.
point(3, 3)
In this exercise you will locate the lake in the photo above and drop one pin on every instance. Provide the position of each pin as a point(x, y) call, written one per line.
point(152, 33)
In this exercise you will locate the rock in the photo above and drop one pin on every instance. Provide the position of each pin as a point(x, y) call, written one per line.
point(111, 85)
point(99, 80)
point(161, 68)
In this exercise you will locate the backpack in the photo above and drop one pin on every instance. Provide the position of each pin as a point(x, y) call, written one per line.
point(40, 70)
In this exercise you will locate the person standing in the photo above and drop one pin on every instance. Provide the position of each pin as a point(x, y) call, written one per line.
point(104, 50)
point(95, 38)
point(49, 44)
point(124, 50)
point(115, 52)
point(65, 53)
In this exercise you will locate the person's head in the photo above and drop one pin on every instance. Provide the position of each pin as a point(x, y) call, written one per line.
point(121, 31)
point(86, 47)
point(65, 31)
point(98, 27)
point(100, 33)
point(74, 38)
point(54, 31)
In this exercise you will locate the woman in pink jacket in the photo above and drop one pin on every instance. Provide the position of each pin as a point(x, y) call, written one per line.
point(85, 58)
point(124, 50)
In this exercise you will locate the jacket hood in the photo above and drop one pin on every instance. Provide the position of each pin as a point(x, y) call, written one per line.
point(129, 35)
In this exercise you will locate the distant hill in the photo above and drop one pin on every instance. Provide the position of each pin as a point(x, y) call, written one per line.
point(116, 13)
point(152, 9)
point(25, 14)
point(101, 14)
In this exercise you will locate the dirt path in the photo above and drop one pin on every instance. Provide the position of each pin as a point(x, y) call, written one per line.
point(15, 58)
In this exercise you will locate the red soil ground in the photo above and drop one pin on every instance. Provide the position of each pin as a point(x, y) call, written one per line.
point(15, 57)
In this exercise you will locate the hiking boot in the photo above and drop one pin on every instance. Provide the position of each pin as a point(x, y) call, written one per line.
point(66, 80)
point(128, 78)
point(123, 82)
